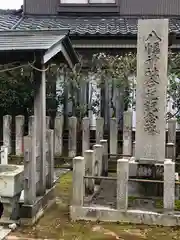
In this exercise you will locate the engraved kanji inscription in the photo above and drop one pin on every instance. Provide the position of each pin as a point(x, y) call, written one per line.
point(152, 48)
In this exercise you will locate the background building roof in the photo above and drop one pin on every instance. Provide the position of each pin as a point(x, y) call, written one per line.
point(89, 25)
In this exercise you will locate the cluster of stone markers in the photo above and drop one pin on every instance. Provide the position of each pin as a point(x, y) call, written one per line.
point(32, 179)
point(128, 145)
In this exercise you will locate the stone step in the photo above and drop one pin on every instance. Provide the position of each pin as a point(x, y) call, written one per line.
point(4, 232)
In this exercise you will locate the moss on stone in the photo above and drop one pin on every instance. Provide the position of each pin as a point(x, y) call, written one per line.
point(159, 204)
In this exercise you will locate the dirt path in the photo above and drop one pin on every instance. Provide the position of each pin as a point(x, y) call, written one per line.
point(55, 225)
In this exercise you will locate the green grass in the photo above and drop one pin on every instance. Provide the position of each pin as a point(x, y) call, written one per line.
point(56, 224)
point(159, 204)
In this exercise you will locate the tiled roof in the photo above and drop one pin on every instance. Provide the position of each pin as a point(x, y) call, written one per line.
point(82, 25)
point(78, 25)
point(8, 19)
point(29, 39)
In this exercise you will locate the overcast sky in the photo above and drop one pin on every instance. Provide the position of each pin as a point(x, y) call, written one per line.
point(10, 4)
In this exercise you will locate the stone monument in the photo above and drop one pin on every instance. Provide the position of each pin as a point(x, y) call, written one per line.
point(152, 60)
point(152, 57)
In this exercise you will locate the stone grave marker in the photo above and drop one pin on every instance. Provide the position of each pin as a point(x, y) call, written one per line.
point(152, 57)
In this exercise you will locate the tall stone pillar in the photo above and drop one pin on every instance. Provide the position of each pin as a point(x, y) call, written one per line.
point(104, 144)
point(122, 184)
point(85, 134)
point(151, 88)
point(172, 130)
point(30, 125)
point(98, 151)
point(113, 136)
point(29, 171)
point(19, 134)
point(47, 122)
point(58, 135)
point(89, 170)
point(171, 138)
point(99, 129)
point(72, 136)
point(78, 181)
point(169, 185)
point(127, 133)
point(7, 134)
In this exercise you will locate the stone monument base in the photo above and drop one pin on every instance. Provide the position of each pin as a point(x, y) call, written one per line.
point(11, 185)
point(30, 214)
point(129, 216)
point(147, 170)
point(11, 207)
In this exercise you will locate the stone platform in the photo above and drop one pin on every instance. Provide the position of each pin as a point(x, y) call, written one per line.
point(106, 214)
point(106, 196)
point(29, 214)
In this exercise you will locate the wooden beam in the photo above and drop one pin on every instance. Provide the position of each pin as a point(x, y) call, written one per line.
point(40, 120)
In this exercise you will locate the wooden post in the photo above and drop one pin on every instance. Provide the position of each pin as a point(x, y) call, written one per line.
point(40, 120)
point(50, 160)
point(43, 132)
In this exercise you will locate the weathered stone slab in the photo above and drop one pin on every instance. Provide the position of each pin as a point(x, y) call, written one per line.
point(7, 133)
point(29, 170)
point(127, 133)
point(152, 54)
point(85, 134)
point(99, 129)
point(113, 135)
point(72, 136)
point(122, 183)
point(98, 152)
point(19, 134)
point(169, 185)
point(58, 135)
point(104, 143)
point(172, 130)
point(89, 170)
